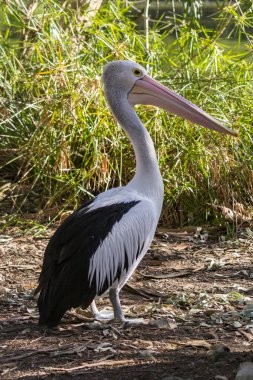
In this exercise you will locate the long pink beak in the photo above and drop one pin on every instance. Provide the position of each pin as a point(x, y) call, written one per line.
point(148, 91)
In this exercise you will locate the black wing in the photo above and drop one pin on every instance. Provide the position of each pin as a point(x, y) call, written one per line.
point(64, 282)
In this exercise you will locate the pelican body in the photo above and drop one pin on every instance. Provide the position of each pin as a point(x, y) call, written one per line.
point(97, 248)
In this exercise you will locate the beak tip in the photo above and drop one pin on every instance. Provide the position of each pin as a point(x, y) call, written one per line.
point(233, 133)
point(229, 131)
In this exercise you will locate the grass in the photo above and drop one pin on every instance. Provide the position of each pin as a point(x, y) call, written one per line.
point(59, 141)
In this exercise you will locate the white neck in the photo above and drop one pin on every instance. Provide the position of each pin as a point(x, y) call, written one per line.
point(147, 179)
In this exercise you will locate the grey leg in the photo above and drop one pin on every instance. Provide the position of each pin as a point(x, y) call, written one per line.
point(114, 298)
point(118, 313)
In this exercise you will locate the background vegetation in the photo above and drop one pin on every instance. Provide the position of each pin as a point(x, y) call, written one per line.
point(59, 141)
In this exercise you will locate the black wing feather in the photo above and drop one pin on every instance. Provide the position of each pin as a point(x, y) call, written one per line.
point(64, 282)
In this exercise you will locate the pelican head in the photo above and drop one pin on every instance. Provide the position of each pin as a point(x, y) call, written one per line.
point(131, 79)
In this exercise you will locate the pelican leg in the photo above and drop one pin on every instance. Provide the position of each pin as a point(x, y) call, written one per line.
point(118, 313)
point(101, 316)
point(114, 298)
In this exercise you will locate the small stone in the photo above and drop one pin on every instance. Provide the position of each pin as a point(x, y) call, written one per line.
point(147, 354)
point(221, 348)
point(106, 332)
point(104, 347)
point(237, 324)
point(219, 377)
point(94, 325)
point(245, 371)
point(204, 324)
point(25, 331)
point(164, 323)
point(218, 350)
point(209, 335)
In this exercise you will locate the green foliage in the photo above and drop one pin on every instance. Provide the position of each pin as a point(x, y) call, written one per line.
point(58, 137)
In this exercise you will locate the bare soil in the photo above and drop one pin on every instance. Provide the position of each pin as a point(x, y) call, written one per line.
point(193, 290)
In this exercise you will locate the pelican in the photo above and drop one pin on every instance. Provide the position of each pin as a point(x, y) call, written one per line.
point(97, 248)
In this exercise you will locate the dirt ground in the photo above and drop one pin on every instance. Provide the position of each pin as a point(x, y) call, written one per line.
point(194, 290)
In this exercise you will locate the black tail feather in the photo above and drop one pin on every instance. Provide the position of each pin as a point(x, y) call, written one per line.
point(53, 304)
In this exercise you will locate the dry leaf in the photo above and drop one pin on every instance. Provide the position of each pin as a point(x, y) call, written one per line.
point(180, 247)
point(238, 215)
point(198, 343)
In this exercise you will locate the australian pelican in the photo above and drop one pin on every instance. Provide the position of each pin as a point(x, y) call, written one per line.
point(97, 248)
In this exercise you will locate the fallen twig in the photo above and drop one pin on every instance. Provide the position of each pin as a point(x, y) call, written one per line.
point(168, 275)
point(79, 317)
point(103, 361)
point(143, 292)
point(64, 349)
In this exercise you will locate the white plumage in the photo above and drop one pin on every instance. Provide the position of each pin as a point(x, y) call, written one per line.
point(98, 247)
point(134, 232)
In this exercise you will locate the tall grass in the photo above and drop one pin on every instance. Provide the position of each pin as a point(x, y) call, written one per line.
point(59, 141)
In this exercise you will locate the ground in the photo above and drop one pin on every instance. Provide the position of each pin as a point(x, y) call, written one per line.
point(194, 291)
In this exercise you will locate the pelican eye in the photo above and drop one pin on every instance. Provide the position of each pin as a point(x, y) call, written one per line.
point(137, 72)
